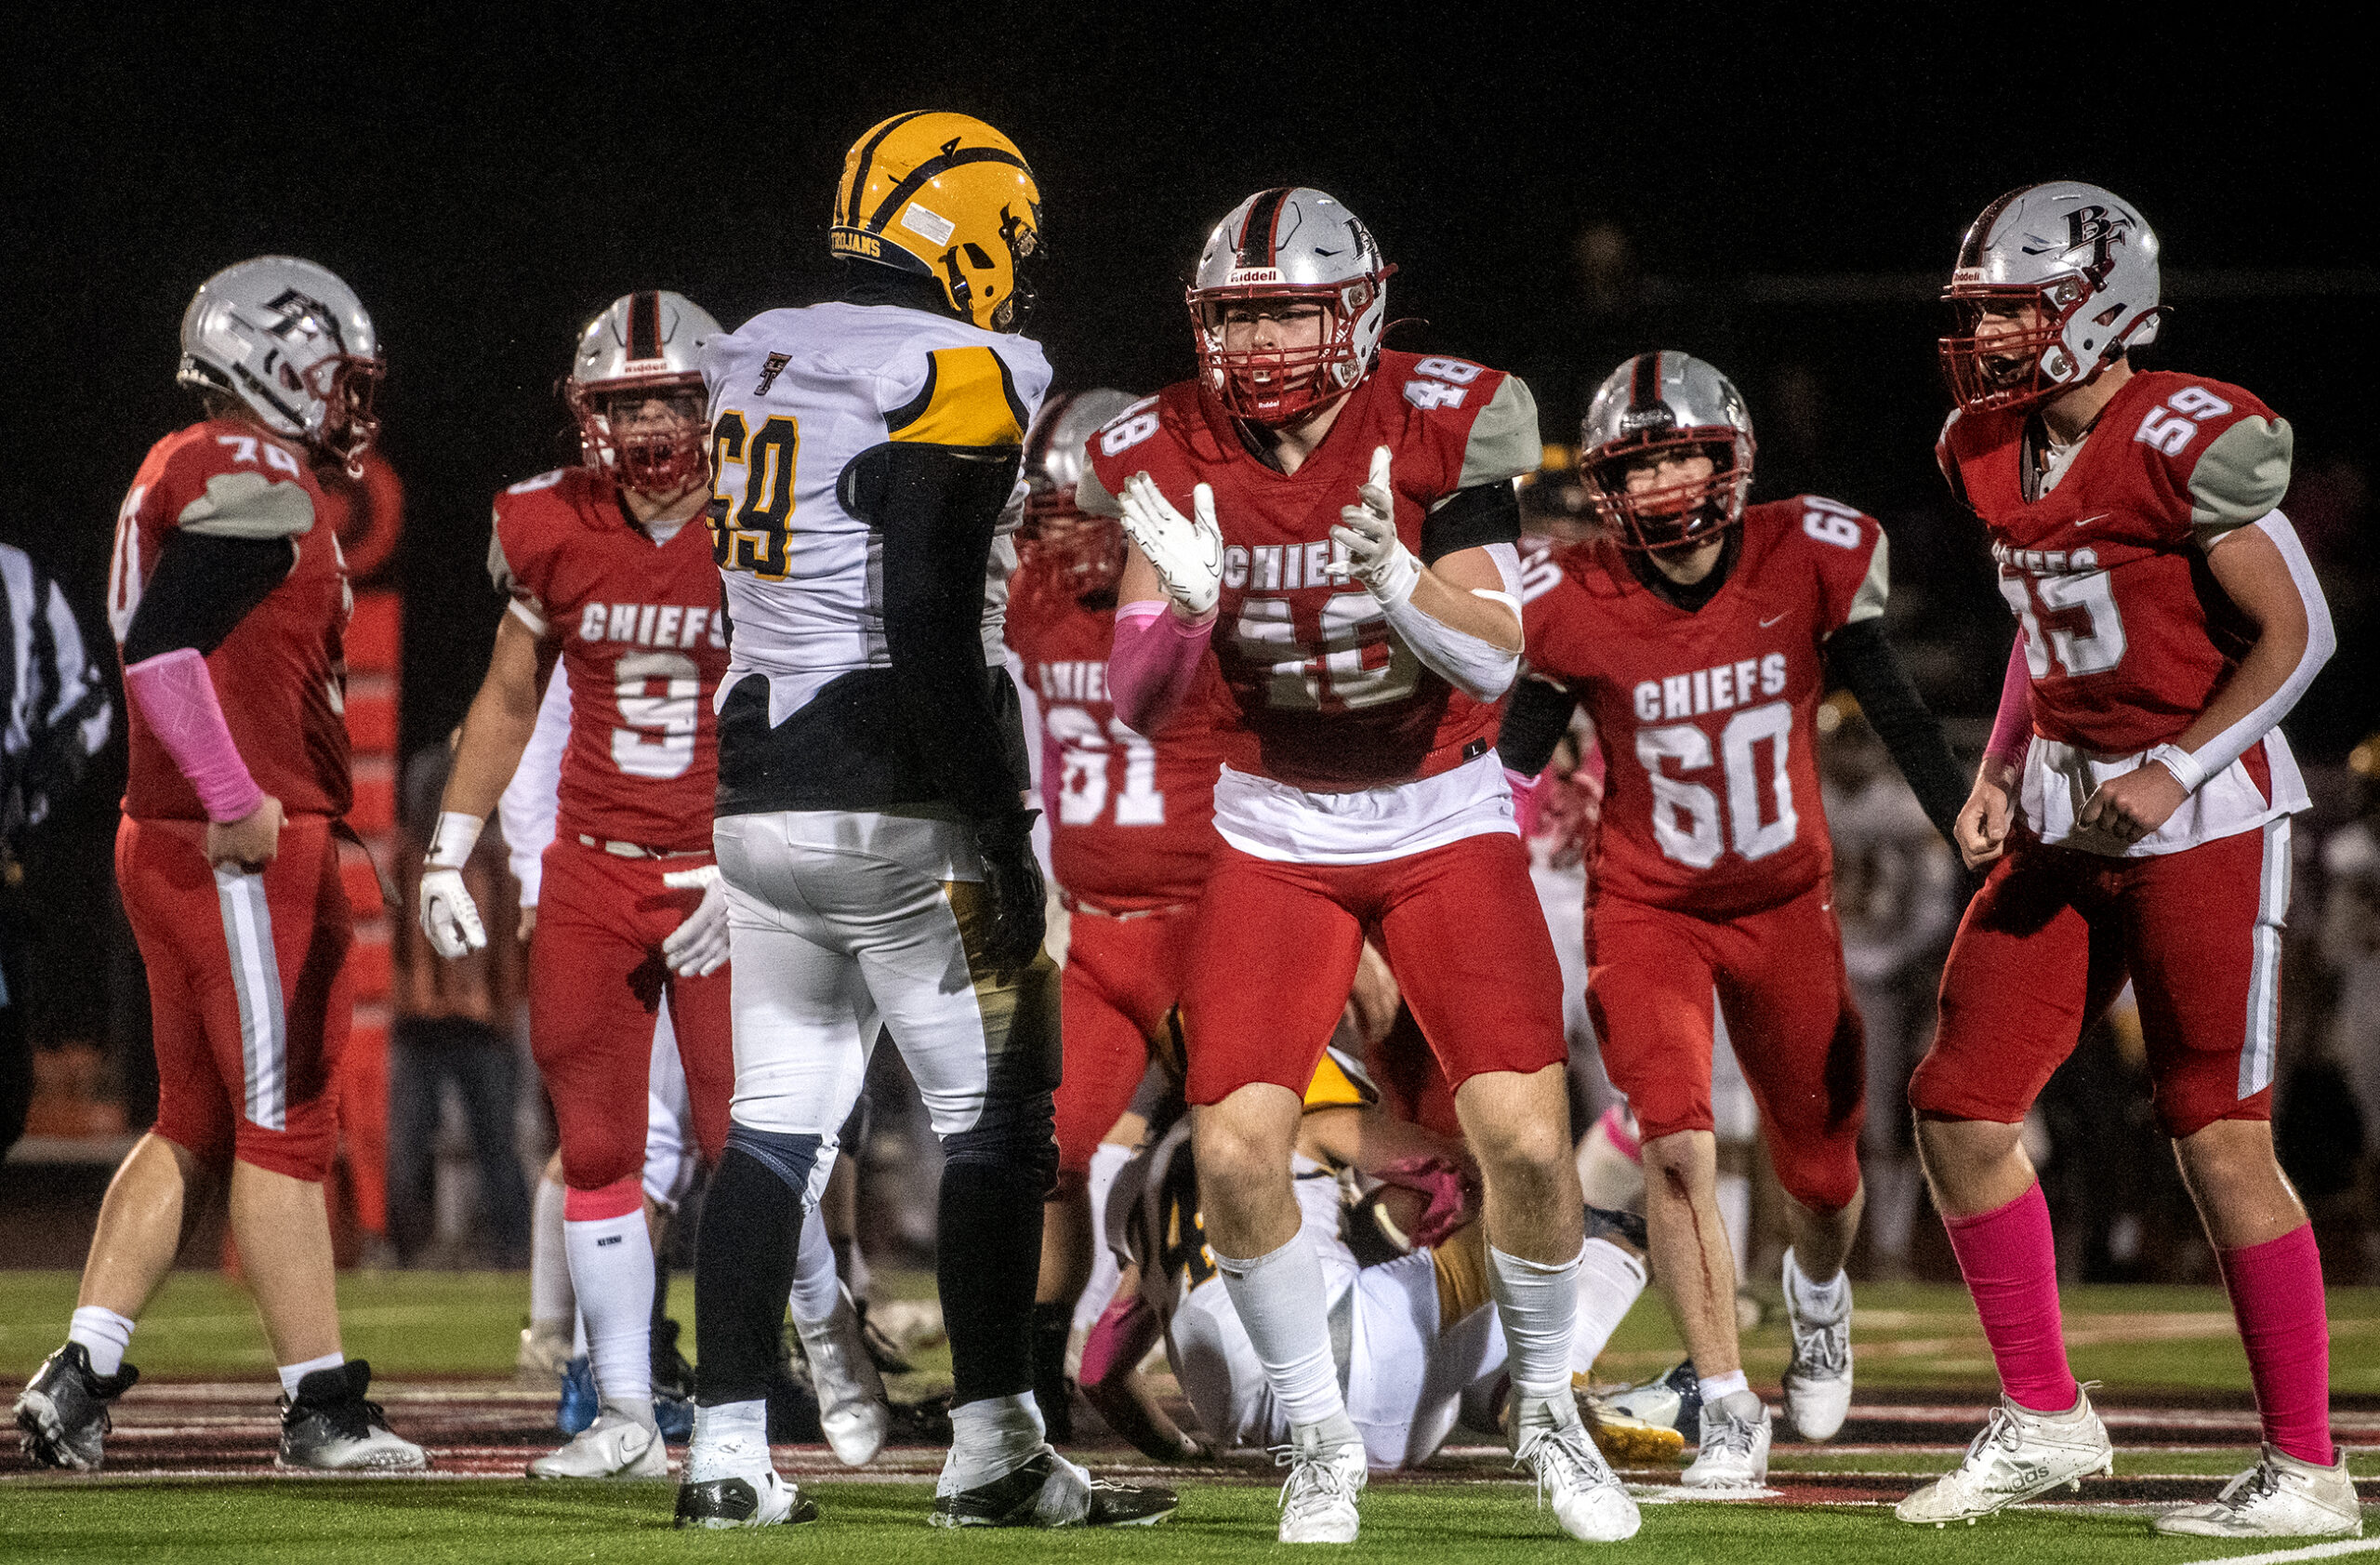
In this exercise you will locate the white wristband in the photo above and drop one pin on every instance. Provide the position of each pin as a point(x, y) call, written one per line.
point(2176, 760)
point(451, 844)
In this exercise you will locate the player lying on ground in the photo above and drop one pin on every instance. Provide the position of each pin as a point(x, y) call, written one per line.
point(1700, 632)
point(1338, 522)
point(229, 603)
point(871, 823)
point(604, 572)
point(851, 1405)
point(1129, 835)
point(2132, 808)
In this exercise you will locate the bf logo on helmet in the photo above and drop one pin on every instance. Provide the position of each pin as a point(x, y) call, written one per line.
point(2092, 226)
point(301, 315)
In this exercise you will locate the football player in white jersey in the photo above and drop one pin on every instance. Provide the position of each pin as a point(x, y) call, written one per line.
point(870, 824)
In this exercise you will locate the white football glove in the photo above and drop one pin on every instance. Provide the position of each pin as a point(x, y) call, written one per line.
point(1186, 551)
point(697, 948)
point(448, 915)
point(1375, 555)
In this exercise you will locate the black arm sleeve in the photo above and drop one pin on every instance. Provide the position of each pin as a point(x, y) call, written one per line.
point(202, 587)
point(1863, 662)
point(1485, 513)
point(937, 506)
point(1534, 723)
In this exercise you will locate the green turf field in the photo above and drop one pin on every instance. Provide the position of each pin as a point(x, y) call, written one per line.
point(397, 1523)
point(2139, 1339)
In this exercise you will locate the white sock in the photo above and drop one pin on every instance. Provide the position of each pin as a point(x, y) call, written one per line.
point(292, 1373)
point(1106, 1161)
point(550, 1294)
point(1817, 1302)
point(577, 1332)
point(1538, 1305)
point(1610, 1280)
point(1279, 1299)
point(1717, 1386)
point(727, 1437)
point(611, 1268)
point(816, 1289)
point(989, 1440)
point(104, 1336)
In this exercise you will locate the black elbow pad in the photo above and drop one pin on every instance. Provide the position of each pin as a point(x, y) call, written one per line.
point(900, 482)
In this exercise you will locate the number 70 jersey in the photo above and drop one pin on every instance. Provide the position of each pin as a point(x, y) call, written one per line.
point(1709, 719)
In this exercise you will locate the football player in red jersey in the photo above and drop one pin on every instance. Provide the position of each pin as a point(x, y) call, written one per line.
point(1700, 632)
point(604, 571)
point(1131, 832)
point(229, 606)
point(1341, 521)
point(2133, 806)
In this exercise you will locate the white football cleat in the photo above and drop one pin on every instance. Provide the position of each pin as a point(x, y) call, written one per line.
point(2020, 1453)
point(2280, 1497)
point(1589, 1500)
point(1736, 1432)
point(1818, 1382)
point(1318, 1501)
point(615, 1446)
point(852, 1408)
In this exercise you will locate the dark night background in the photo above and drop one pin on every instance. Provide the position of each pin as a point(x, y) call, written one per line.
point(1783, 197)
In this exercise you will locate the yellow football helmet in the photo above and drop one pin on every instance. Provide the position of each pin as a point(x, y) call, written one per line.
point(943, 196)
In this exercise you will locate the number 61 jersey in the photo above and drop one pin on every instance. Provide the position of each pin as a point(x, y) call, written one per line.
point(1709, 719)
point(642, 644)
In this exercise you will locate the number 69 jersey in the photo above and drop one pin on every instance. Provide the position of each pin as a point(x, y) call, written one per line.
point(1327, 699)
point(642, 644)
point(1709, 719)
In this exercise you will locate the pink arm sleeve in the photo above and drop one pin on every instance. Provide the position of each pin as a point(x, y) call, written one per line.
point(177, 697)
point(1155, 658)
point(2012, 731)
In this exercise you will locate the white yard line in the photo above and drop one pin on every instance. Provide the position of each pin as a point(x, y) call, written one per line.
point(2283, 1555)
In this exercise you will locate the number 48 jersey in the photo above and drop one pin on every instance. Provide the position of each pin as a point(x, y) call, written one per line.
point(644, 645)
point(1709, 719)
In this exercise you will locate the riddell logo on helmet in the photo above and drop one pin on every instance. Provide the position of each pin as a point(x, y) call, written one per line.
point(1636, 420)
point(1244, 274)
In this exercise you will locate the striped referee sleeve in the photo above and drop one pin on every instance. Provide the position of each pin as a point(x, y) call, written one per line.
point(58, 713)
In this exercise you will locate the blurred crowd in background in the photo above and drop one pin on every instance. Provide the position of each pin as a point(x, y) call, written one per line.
point(448, 1127)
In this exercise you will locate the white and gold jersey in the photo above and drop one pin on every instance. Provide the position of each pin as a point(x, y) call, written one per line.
point(797, 400)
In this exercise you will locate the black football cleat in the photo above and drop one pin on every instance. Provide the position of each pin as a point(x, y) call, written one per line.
point(62, 1413)
point(762, 1500)
point(1027, 1498)
point(328, 1428)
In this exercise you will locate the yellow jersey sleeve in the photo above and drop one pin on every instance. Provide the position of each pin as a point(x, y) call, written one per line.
point(969, 399)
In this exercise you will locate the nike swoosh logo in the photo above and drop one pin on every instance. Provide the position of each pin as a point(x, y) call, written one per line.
point(2088, 519)
point(1770, 620)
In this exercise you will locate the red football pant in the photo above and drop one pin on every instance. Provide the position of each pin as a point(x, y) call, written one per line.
point(1122, 977)
point(249, 988)
point(596, 984)
point(1274, 955)
point(1651, 974)
point(2047, 943)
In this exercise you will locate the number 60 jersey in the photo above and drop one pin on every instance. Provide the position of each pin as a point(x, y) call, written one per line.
point(1709, 718)
point(643, 645)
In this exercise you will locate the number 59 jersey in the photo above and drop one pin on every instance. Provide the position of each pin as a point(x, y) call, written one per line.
point(799, 400)
point(1326, 697)
point(1709, 719)
point(642, 644)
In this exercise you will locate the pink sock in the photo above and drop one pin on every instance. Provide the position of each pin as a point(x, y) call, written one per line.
point(2011, 1267)
point(2277, 1297)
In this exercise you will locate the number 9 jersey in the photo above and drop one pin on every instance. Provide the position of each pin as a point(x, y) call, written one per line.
point(644, 645)
point(1708, 718)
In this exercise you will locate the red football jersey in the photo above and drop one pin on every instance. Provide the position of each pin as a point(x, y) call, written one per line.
point(2125, 632)
point(1322, 696)
point(643, 644)
point(1131, 821)
point(1708, 719)
point(281, 675)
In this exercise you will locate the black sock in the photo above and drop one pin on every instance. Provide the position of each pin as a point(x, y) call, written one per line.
point(744, 1262)
point(987, 1261)
point(1053, 1324)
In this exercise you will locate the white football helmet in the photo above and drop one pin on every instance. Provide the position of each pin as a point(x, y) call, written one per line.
point(645, 348)
point(1291, 244)
point(2083, 258)
point(1087, 550)
point(1666, 403)
point(294, 344)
